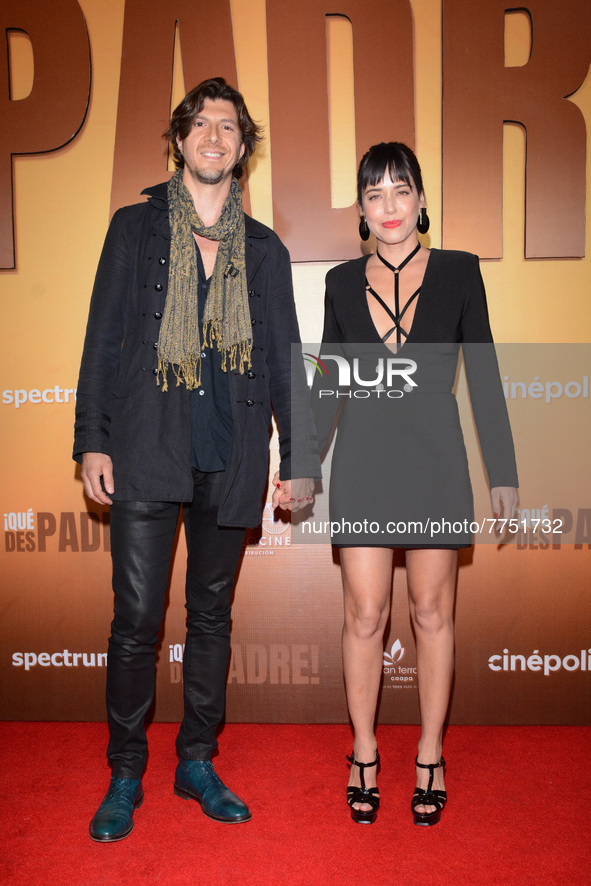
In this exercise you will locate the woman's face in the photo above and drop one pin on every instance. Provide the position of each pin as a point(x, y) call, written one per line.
point(391, 209)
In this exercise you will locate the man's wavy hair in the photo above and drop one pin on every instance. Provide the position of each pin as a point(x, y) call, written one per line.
point(184, 115)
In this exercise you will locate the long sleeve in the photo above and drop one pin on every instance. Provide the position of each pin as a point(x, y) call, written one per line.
point(105, 333)
point(325, 402)
point(298, 447)
point(486, 392)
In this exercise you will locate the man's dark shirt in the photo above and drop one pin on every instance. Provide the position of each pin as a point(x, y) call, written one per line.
point(211, 408)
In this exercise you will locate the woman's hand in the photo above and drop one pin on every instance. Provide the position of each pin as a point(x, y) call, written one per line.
point(504, 502)
point(291, 495)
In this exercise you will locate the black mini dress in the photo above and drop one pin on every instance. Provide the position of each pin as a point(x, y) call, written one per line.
point(399, 475)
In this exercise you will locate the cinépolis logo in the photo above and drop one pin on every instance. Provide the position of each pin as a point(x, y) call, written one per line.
point(545, 389)
point(544, 664)
point(391, 378)
point(64, 532)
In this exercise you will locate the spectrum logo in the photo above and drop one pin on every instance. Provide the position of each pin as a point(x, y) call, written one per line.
point(62, 659)
point(55, 394)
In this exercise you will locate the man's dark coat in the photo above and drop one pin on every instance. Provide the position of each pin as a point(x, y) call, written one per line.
point(121, 410)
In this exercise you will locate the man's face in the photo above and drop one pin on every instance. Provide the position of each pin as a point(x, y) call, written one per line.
point(214, 145)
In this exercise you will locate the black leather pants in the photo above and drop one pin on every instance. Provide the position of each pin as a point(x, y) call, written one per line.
point(142, 536)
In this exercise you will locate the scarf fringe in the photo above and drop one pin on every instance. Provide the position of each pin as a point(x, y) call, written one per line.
point(188, 373)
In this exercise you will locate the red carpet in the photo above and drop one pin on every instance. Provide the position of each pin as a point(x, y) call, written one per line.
point(518, 810)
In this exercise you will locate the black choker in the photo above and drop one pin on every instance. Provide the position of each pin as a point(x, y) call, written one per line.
point(398, 315)
point(404, 263)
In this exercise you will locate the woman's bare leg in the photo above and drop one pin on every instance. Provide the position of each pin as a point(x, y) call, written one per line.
point(431, 576)
point(367, 580)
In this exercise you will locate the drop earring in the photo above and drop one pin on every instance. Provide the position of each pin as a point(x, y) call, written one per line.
point(423, 221)
point(363, 229)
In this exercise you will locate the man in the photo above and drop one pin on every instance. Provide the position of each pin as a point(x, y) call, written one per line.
point(187, 344)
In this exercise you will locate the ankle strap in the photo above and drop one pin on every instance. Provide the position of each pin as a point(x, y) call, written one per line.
point(355, 762)
point(429, 765)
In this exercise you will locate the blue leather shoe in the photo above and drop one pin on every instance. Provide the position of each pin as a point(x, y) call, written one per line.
point(114, 817)
point(197, 780)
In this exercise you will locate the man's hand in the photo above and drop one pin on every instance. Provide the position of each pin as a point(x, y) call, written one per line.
point(94, 466)
point(291, 495)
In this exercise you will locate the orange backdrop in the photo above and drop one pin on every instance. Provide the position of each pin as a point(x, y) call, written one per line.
point(524, 649)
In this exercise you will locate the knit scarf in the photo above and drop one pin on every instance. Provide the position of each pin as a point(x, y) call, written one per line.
point(226, 316)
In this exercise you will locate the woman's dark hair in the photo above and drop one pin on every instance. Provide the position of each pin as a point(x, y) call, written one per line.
point(394, 158)
point(184, 115)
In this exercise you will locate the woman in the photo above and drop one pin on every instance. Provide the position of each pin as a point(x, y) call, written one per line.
point(400, 457)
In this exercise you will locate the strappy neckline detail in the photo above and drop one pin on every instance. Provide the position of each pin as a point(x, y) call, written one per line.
point(396, 317)
point(393, 268)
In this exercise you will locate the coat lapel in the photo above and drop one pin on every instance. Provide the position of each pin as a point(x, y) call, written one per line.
point(254, 256)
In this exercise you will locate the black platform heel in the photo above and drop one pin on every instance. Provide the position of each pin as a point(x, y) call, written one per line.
point(428, 797)
point(369, 796)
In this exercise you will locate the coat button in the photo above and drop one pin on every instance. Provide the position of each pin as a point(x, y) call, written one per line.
point(158, 287)
point(161, 260)
point(158, 315)
point(155, 345)
point(253, 322)
point(155, 371)
point(250, 402)
point(251, 374)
